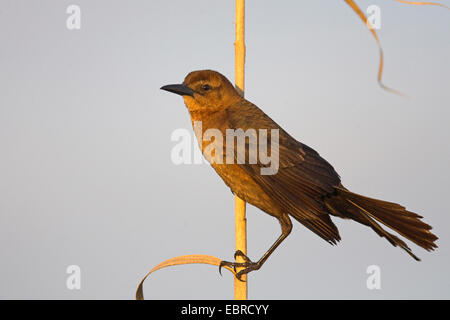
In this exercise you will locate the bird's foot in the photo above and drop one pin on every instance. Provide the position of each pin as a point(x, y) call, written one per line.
point(248, 265)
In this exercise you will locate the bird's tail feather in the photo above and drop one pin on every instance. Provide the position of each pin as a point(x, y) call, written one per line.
point(368, 211)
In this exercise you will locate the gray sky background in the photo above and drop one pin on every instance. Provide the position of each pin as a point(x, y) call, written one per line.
point(85, 170)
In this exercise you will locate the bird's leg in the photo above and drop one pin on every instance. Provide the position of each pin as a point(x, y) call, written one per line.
point(248, 265)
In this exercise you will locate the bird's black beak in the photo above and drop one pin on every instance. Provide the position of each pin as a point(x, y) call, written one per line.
point(180, 89)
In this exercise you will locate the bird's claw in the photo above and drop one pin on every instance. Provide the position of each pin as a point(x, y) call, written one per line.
point(248, 265)
point(251, 266)
point(226, 264)
point(239, 253)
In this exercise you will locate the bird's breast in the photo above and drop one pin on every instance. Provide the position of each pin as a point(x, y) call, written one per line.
point(243, 185)
point(210, 130)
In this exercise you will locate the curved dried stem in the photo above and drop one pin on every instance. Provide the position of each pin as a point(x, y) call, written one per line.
point(188, 259)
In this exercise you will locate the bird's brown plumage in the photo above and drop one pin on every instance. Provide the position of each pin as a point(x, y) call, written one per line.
point(305, 186)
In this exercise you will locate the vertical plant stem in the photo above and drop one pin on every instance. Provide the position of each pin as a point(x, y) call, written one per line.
point(240, 288)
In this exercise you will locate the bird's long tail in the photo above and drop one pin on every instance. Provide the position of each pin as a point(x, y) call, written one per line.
point(369, 211)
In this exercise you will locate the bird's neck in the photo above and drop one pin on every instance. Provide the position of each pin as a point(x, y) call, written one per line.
point(216, 119)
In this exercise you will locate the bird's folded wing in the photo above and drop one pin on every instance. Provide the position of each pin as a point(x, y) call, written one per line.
point(303, 178)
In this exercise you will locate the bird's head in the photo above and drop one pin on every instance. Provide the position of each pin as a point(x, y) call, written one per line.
point(205, 90)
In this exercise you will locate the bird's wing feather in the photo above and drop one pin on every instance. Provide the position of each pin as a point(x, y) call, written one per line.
point(303, 177)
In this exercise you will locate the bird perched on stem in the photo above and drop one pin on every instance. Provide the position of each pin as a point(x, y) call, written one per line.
point(302, 185)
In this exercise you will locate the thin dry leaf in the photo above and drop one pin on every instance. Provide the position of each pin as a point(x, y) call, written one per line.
point(363, 17)
point(188, 259)
point(423, 3)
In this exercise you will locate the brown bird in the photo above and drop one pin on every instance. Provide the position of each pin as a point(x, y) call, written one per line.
point(303, 185)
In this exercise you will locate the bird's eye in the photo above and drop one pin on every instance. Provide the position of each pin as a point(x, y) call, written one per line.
point(206, 87)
